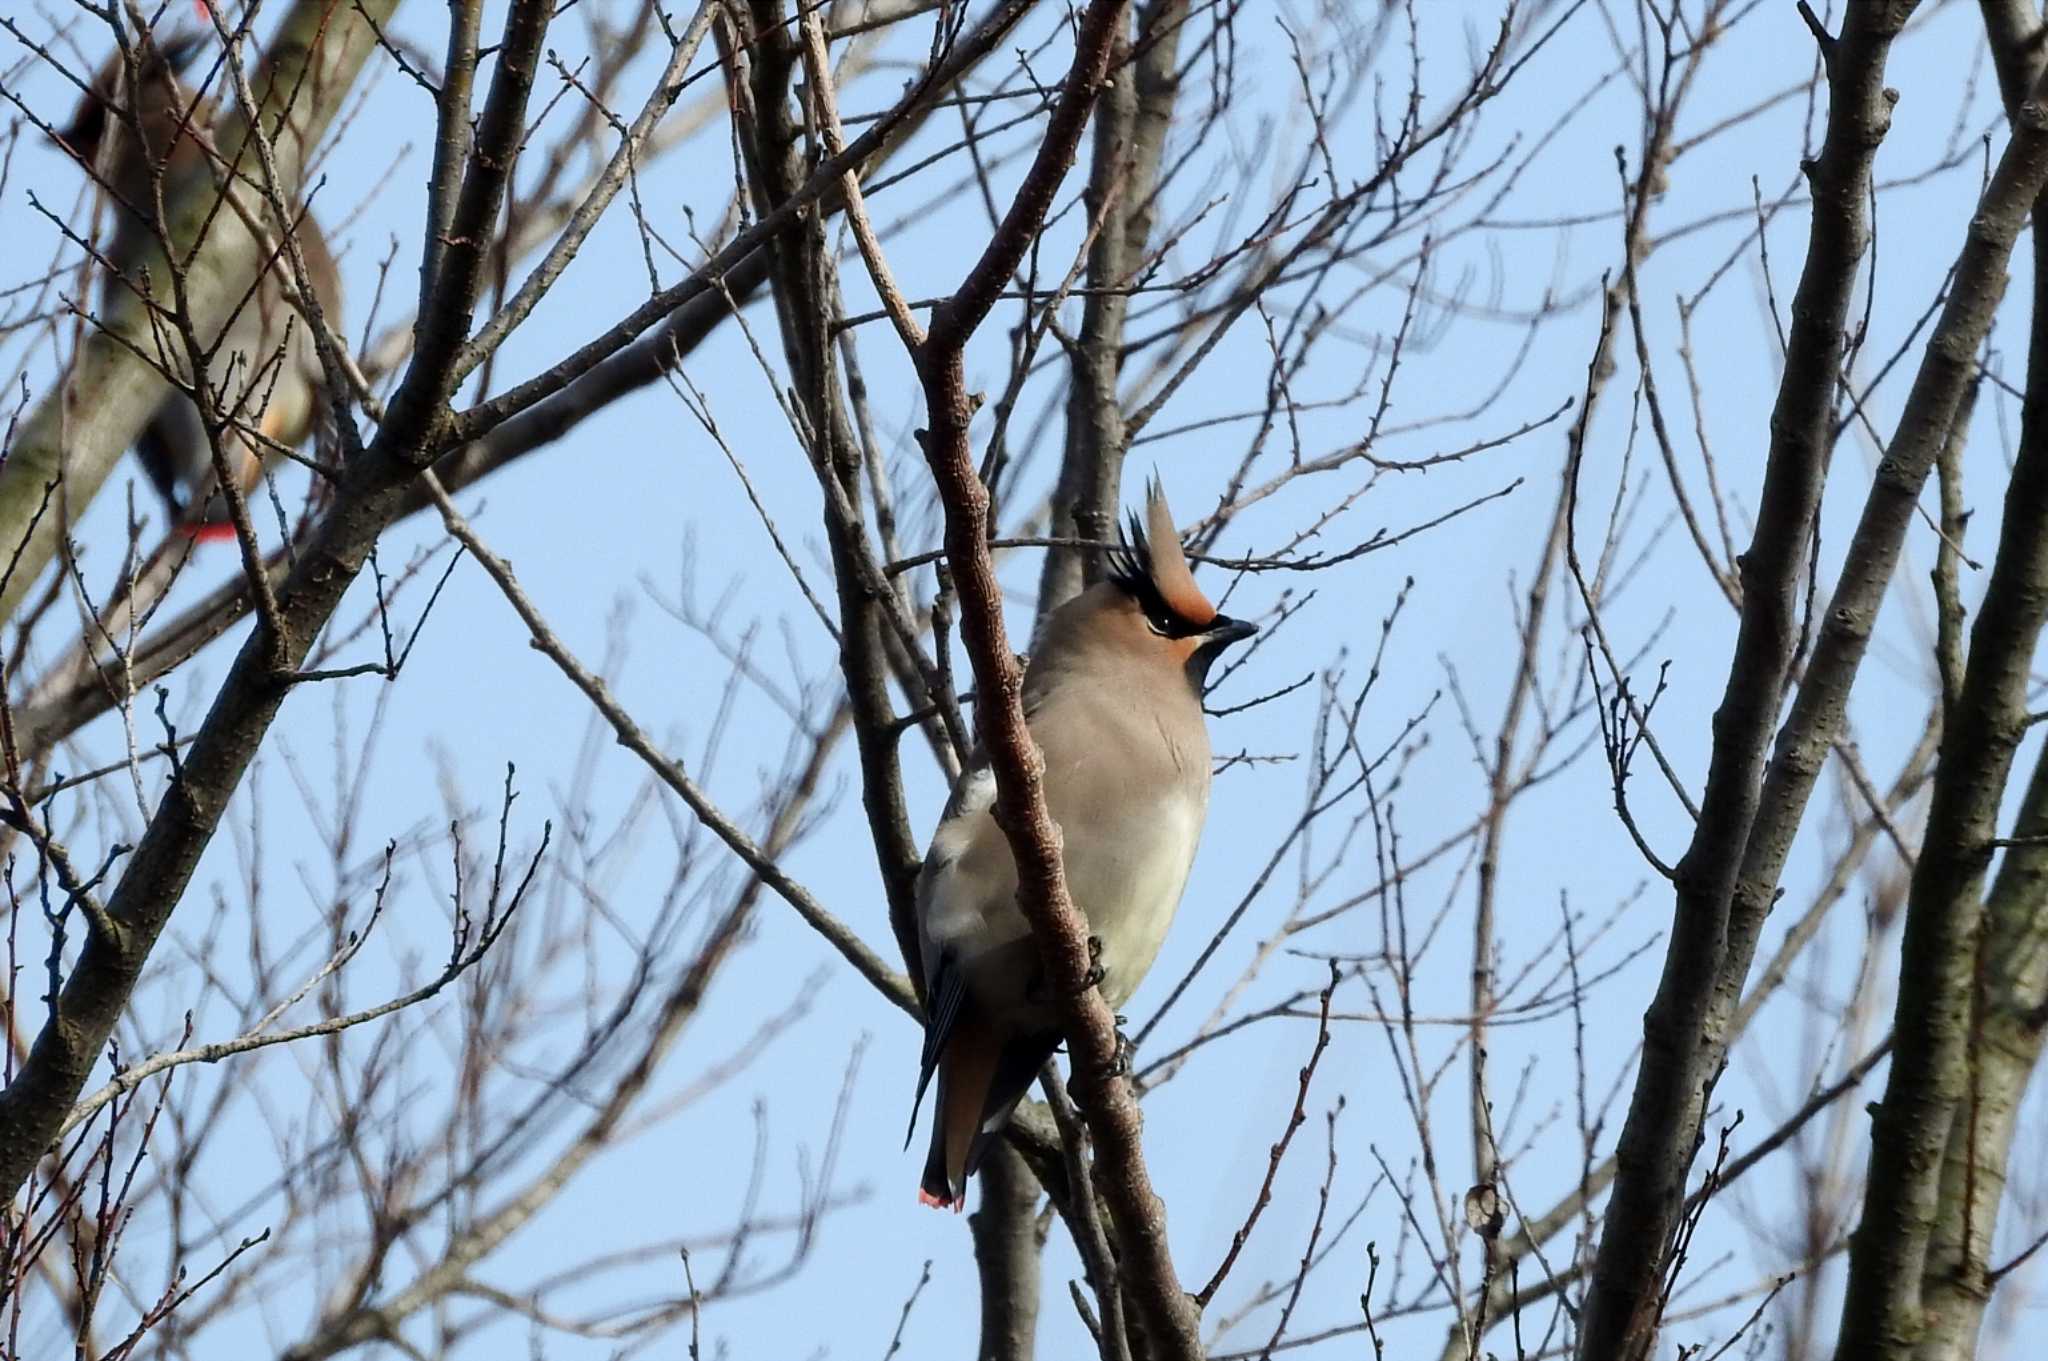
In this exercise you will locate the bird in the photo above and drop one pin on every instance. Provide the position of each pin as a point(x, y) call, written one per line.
point(280, 401)
point(1113, 698)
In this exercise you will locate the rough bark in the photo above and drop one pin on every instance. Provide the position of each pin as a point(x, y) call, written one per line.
point(1167, 1315)
point(1972, 968)
point(1709, 966)
point(2006, 1034)
point(1008, 1251)
point(1679, 1063)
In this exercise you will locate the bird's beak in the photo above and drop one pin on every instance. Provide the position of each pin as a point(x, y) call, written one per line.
point(1223, 630)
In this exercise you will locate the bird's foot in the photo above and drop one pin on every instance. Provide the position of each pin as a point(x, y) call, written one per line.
point(1120, 1064)
point(1095, 973)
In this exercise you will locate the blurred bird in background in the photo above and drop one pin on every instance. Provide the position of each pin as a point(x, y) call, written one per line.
point(1113, 697)
point(142, 126)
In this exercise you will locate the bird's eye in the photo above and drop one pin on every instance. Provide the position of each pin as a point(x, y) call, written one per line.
point(1158, 621)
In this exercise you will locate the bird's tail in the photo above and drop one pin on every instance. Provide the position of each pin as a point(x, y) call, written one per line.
point(981, 1080)
point(966, 1067)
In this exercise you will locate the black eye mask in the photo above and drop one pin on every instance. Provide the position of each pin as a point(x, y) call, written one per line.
point(1130, 567)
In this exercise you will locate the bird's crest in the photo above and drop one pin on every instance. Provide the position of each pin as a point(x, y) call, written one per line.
point(1152, 567)
point(163, 59)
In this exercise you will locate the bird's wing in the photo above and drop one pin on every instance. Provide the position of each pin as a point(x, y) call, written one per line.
point(943, 997)
point(943, 917)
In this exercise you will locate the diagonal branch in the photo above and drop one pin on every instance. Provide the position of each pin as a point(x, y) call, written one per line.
point(80, 430)
point(371, 493)
point(1659, 1135)
point(1751, 813)
point(634, 738)
point(71, 696)
point(1106, 1099)
point(1940, 1139)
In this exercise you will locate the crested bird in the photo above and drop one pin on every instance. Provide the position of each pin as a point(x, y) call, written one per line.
point(1113, 698)
point(264, 367)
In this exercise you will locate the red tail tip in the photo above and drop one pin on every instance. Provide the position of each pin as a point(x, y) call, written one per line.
point(207, 531)
point(925, 1197)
